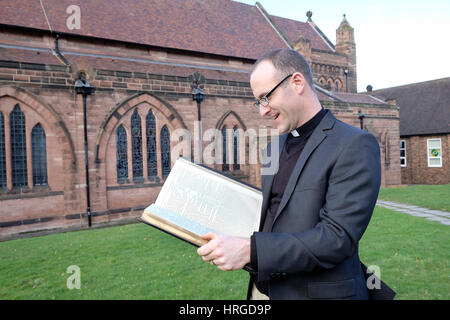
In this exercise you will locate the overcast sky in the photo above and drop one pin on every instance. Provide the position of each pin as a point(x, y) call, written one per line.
point(397, 41)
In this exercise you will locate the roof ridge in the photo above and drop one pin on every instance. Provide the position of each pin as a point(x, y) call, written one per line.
point(272, 23)
point(413, 84)
point(328, 93)
point(321, 34)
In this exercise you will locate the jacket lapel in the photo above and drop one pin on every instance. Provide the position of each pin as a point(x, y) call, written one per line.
point(316, 138)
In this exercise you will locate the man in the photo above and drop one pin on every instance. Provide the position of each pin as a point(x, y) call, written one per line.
point(318, 204)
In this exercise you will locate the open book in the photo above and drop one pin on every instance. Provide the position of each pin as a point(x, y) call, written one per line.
point(195, 200)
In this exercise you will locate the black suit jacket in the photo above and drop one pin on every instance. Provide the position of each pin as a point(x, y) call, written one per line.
point(312, 251)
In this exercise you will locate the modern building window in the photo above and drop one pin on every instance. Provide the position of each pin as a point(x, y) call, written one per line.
point(236, 160)
point(165, 151)
point(136, 147)
point(434, 152)
point(152, 165)
point(402, 153)
point(39, 156)
point(2, 153)
point(18, 148)
point(121, 154)
point(225, 165)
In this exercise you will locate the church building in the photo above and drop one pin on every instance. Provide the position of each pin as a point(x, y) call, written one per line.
point(96, 97)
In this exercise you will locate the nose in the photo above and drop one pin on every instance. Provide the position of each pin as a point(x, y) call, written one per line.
point(263, 111)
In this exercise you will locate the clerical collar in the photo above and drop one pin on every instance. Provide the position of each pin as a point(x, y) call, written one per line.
point(310, 124)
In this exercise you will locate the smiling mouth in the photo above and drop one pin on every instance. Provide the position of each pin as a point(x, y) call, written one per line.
point(276, 116)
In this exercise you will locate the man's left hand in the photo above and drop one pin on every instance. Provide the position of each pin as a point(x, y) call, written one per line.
point(227, 253)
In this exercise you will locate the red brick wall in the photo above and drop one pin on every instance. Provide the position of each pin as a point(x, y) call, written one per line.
point(417, 170)
point(45, 93)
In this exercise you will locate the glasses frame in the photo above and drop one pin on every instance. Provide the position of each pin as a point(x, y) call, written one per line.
point(264, 101)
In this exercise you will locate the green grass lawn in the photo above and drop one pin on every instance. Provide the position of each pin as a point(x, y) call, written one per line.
point(433, 197)
point(412, 253)
point(132, 261)
point(138, 262)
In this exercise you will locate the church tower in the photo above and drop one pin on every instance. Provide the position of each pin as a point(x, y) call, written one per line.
point(345, 44)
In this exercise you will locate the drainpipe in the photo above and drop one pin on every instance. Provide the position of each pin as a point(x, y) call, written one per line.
point(361, 117)
point(58, 53)
point(84, 88)
point(346, 79)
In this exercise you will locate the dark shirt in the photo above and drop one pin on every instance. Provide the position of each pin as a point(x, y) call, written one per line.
point(292, 149)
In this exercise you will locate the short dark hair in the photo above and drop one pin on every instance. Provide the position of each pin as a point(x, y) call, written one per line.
point(287, 61)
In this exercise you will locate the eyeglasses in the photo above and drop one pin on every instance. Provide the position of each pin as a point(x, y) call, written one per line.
point(264, 101)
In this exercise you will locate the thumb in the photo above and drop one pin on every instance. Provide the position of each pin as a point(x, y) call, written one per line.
point(209, 236)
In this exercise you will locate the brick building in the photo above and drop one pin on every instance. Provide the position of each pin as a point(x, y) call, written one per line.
point(143, 58)
point(424, 130)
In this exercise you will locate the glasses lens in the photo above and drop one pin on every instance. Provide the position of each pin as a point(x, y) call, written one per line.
point(264, 102)
point(256, 105)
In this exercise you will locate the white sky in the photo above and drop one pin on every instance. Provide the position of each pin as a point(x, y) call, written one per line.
point(397, 41)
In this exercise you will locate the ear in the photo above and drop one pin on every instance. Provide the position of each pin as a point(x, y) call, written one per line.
point(299, 82)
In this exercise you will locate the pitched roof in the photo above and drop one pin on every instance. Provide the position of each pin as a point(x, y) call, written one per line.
point(358, 98)
point(424, 106)
point(294, 29)
point(220, 27)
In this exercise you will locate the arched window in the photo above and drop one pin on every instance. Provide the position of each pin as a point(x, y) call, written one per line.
point(329, 84)
point(152, 165)
point(165, 150)
point(225, 165)
point(18, 148)
point(39, 156)
point(2, 153)
point(337, 85)
point(121, 154)
point(236, 160)
point(136, 146)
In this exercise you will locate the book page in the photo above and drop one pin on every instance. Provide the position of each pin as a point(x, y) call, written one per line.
point(211, 199)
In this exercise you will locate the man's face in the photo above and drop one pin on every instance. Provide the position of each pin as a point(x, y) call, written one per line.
point(283, 106)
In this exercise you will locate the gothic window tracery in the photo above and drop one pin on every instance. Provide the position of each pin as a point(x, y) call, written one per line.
point(121, 154)
point(165, 151)
point(225, 165)
point(136, 146)
point(236, 160)
point(2, 152)
point(18, 148)
point(39, 156)
point(152, 165)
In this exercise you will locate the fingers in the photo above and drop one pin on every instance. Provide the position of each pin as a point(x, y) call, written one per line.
point(209, 247)
point(209, 236)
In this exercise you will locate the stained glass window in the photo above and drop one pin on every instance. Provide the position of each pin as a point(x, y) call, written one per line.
point(136, 146)
point(2, 153)
point(18, 148)
point(39, 155)
point(225, 165)
point(151, 145)
point(121, 154)
point(165, 150)
point(236, 165)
